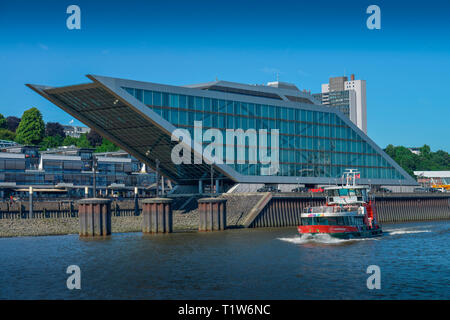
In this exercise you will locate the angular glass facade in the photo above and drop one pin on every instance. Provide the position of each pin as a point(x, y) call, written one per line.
point(312, 143)
point(316, 143)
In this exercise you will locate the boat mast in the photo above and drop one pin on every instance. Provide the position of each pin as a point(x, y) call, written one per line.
point(350, 177)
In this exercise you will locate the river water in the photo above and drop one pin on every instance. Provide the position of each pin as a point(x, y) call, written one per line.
point(413, 258)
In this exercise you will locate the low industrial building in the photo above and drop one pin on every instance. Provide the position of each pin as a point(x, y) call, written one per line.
point(434, 179)
point(68, 171)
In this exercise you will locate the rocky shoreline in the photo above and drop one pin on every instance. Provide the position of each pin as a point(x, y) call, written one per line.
point(64, 226)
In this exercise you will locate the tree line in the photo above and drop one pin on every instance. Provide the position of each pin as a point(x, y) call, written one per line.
point(30, 129)
point(426, 160)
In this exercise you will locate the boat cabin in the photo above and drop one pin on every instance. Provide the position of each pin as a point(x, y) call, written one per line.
point(347, 195)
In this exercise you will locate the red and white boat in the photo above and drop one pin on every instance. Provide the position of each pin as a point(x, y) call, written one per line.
point(348, 212)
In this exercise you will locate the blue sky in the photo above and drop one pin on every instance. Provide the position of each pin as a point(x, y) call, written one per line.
point(406, 64)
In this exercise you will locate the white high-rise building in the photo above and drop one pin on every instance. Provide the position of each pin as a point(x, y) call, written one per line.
point(356, 102)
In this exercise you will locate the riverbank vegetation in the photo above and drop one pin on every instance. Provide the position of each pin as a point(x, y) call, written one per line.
point(30, 129)
point(424, 160)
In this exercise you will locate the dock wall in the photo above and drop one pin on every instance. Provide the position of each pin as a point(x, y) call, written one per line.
point(251, 210)
point(283, 210)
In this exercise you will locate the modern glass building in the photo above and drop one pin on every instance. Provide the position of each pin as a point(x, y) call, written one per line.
point(316, 143)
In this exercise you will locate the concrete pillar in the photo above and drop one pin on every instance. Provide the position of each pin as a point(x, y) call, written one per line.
point(213, 214)
point(200, 186)
point(157, 215)
point(217, 186)
point(30, 212)
point(136, 202)
point(95, 217)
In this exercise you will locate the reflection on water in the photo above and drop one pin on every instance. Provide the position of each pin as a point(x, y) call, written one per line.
point(235, 264)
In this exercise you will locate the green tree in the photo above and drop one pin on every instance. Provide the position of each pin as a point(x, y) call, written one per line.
point(70, 141)
point(51, 142)
point(425, 161)
point(5, 134)
point(31, 128)
point(94, 138)
point(12, 123)
point(54, 128)
point(83, 142)
point(107, 146)
point(3, 123)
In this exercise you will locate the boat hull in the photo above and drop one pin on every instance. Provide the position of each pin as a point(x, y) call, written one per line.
point(341, 232)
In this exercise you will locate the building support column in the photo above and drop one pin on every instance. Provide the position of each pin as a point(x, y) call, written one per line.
point(217, 186)
point(213, 214)
point(136, 202)
point(95, 217)
point(200, 186)
point(30, 212)
point(157, 215)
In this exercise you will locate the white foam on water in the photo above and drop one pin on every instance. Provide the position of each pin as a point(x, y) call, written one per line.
point(320, 238)
point(404, 231)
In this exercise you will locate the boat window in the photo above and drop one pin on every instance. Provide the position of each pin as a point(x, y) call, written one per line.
point(333, 193)
point(343, 192)
point(322, 221)
point(359, 221)
point(332, 221)
point(340, 221)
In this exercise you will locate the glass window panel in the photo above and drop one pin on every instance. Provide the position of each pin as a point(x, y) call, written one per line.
point(237, 108)
point(206, 104)
point(130, 91)
point(139, 95)
point(265, 111)
point(215, 105)
point(174, 116)
point(291, 114)
point(165, 99)
point(148, 97)
point(230, 108)
point(183, 102)
point(191, 102)
point(183, 117)
point(251, 109)
point(198, 104)
point(244, 110)
point(222, 106)
point(173, 101)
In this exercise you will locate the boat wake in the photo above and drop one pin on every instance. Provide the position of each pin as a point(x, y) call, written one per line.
point(392, 232)
point(327, 239)
point(320, 238)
